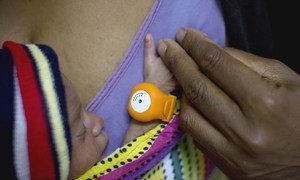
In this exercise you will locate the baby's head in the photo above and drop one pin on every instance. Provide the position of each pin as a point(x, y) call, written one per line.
point(88, 139)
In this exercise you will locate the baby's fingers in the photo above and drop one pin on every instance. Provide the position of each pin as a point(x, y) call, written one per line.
point(149, 49)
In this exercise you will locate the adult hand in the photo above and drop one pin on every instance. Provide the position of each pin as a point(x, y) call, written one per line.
point(242, 110)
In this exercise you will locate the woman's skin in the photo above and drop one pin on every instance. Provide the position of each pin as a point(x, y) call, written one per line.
point(88, 139)
point(90, 37)
point(242, 110)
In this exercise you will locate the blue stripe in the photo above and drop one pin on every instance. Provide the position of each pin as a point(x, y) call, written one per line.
point(6, 115)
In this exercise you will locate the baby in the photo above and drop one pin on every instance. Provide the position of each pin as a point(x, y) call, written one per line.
point(37, 117)
point(88, 140)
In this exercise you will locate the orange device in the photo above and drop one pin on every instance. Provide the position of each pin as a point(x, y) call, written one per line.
point(147, 102)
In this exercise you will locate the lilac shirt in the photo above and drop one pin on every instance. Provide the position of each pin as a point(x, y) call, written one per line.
point(163, 21)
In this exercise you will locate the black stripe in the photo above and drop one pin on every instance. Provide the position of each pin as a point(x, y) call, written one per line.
point(6, 115)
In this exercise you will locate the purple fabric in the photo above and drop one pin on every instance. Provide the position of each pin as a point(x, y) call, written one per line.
point(160, 148)
point(163, 21)
point(209, 167)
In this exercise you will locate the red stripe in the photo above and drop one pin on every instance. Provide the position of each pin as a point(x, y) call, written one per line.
point(39, 147)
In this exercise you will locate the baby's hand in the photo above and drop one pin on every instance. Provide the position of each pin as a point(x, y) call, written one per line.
point(155, 71)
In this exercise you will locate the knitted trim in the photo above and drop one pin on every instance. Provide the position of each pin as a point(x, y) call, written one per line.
point(42, 95)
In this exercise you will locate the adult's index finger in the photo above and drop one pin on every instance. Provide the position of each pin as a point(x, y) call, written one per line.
point(234, 77)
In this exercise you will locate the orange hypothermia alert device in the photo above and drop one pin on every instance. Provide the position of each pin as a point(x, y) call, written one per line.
point(147, 102)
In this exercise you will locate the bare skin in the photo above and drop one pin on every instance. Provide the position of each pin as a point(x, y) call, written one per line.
point(89, 37)
point(242, 110)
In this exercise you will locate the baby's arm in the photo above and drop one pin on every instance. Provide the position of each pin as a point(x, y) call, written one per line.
point(155, 72)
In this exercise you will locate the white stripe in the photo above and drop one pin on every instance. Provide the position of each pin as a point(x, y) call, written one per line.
point(21, 160)
point(167, 165)
point(54, 112)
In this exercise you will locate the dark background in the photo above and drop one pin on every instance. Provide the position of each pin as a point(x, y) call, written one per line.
point(268, 28)
point(285, 19)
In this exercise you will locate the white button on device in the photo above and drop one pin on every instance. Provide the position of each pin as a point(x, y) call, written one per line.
point(140, 101)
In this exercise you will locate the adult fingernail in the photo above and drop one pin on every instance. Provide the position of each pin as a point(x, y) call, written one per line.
point(180, 35)
point(161, 48)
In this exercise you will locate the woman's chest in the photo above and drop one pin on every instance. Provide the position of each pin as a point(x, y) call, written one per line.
point(90, 38)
